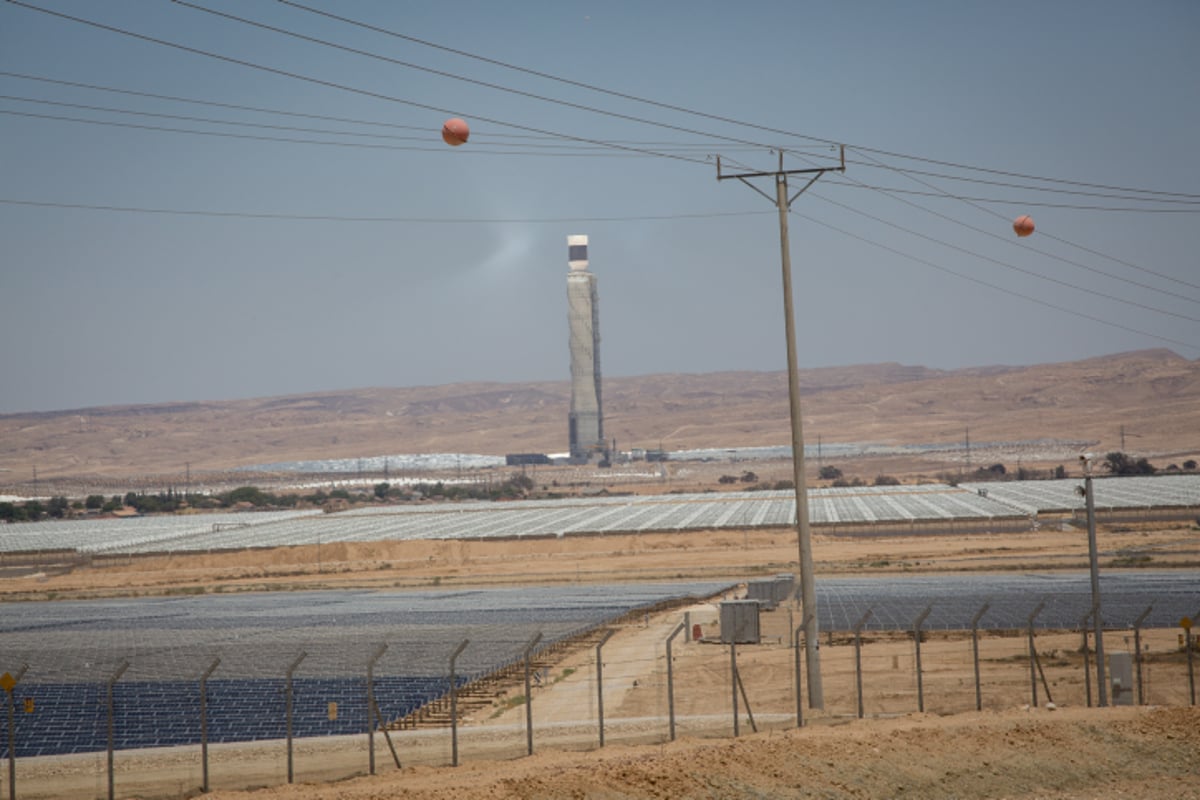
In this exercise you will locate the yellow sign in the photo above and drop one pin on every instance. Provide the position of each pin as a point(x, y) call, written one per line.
point(8, 682)
point(333, 711)
point(28, 705)
point(1186, 623)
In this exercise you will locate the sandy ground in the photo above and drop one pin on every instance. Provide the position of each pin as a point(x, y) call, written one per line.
point(1007, 750)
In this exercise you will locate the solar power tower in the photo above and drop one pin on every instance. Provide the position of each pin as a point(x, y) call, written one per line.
point(585, 420)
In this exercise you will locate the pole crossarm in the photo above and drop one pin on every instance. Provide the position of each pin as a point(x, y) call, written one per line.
point(818, 171)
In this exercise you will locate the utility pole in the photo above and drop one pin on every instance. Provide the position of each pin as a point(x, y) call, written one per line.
point(783, 203)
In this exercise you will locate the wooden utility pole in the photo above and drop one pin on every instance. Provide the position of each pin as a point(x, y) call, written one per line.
point(808, 589)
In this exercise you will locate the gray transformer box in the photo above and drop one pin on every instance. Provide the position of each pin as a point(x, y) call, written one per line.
point(763, 591)
point(739, 622)
point(1120, 673)
point(771, 591)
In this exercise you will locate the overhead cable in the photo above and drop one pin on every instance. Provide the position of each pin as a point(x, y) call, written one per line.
point(385, 219)
point(1064, 309)
point(335, 85)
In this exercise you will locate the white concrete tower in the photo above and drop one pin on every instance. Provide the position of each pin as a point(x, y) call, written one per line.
point(586, 422)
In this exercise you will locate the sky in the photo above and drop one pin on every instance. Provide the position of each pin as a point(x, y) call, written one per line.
point(194, 208)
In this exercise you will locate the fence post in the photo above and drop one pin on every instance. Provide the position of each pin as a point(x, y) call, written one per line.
point(799, 693)
point(529, 695)
point(1186, 623)
point(204, 724)
point(920, 676)
point(1033, 665)
point(454, 704)
point(116, 676)
point(975, 652)
point(600, 681)
point(858, 626)
point(733, 682)
point(288, 705)
point(371, 720)
point(671, 677)
point(1137, 646)
point(10, 683)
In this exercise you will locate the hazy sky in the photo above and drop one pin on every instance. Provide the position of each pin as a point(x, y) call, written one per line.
point(341, 244)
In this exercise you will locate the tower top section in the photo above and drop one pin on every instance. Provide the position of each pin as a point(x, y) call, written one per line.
point(577, 256)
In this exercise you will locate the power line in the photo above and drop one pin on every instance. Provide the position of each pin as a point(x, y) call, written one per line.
point(551, 77)
point(424, 129)
point(234, 106)
point(1005, 264)
point(1078, 192)
point(1056, 257)
point(345, 218)
point(441, 110)
point(524, 149)
point(335, 85)
point(1193, 209)
point(290, 140)
point(209, 120)
point(1022, 175)
point(343, 19)
point(474, 81)
point(693, 112)
point(981, 282)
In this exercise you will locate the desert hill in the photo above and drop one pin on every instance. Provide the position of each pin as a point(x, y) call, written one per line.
point(1151, 398)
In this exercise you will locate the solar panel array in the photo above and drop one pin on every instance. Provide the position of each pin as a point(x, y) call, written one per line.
point(72, 650)
point(935, 503)
point(896, 602)
point(1129, 492)
point(131, 534)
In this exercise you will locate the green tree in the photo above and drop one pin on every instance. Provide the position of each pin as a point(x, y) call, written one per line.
point(57, 507)
point(94, 502)
point(381, 490)
point(1118, 463)
point(829, 473)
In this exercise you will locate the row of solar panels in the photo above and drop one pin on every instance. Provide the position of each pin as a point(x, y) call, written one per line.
point(635, 514)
